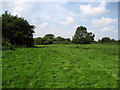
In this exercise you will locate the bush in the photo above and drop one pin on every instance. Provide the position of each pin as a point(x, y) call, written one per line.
point(49, 41)
point(6, 45)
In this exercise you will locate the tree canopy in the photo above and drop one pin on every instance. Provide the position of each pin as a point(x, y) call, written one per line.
point(17, 30)
point(82, 36)
point(107, 40)
point(49, 36)
point(51, 39)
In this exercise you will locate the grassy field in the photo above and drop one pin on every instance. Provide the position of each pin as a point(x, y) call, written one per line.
point(61, 66)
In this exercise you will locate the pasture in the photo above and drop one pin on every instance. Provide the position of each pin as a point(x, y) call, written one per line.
point(61, 66)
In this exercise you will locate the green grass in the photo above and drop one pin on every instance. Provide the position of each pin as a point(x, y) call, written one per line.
point(61, 66)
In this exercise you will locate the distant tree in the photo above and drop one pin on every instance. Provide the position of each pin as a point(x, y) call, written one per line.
point(105, 40)
point(17, 30)
point(59, 38)
point(49, 36)
point(48, 41)
point(38, 41)
point(67, 39)
point(113, 40)
point(82, 36)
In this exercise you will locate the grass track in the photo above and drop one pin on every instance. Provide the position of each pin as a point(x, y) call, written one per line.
point(61, 66)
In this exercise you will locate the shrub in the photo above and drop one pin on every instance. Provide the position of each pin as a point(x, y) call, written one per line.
point(6, 45)
point(49, 41)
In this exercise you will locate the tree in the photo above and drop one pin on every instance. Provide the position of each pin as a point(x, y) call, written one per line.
point(38, 41)
point(82, 36)
point(17, 30)
point(48, 41)
point(59, 38)
point(49, 36)
point(67, 39)
point(105, 40)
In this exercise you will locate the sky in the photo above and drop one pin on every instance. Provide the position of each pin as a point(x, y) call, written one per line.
point(62, 18)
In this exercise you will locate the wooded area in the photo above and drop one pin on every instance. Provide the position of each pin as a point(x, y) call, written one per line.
point(17, 32)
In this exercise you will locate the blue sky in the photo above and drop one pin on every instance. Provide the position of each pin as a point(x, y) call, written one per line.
point(62, 18)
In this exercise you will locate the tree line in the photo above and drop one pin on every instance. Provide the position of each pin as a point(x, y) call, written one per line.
point(51, 39)
point(108, 40)
point(17, 32)
point(61, 40)
point(81, 37)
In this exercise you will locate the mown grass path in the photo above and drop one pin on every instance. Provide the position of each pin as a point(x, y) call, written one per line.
point(61, 66)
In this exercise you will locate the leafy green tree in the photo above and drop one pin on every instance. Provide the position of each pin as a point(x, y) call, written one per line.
point(48, 41)
point(113, 40)
point(49, 36)
point(82, 36)
point(59, 38)
point(38, 41)
point(67, 39)
point(17, 30)
point(105, 40)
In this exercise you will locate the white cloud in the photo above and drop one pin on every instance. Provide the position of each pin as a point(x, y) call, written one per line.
point(68, 21)
point(22, 8)
point(43, 25)
point(17, 10)
point(104, 21)
point(105, 24)
point(55, 12)
point(106, 29)
point(89, 10)
point(18, 7)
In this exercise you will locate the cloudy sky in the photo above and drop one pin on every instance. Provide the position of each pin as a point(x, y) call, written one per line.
point(62, 18)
